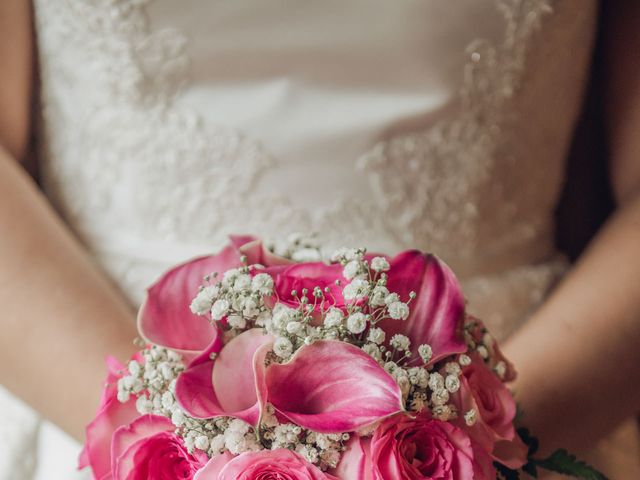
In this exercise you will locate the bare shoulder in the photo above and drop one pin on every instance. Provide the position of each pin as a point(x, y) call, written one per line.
point(622, 95)
point(16, 73)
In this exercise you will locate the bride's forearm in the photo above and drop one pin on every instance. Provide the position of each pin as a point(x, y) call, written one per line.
point(60, 317)
point(578, 356)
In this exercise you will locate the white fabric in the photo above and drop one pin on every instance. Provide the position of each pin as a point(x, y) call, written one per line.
point(399, 124)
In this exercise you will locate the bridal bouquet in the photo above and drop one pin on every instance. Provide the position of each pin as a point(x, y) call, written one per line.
point(259, 366)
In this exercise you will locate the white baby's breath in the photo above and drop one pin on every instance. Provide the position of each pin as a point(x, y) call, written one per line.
point(220, 308)
point(236, 321)
point(400, 342)
point(380, 264)
point(373, 350)
point(282, 315)
point(203, 301)
point(398, 310)
point(262, 283)
point(452, 383)
point(351, 269)
point(376, 335)
point(356, 290)
point(295, 328)
point(436, 381)
point(470, 417)
point(464, 360)
point(283, 347)
point(333, 318)
point(242, 282)
point(425, 352)
point(378, 296)
point(357, 322)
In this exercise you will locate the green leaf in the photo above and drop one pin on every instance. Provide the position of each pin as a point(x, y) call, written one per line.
point(563, 462)
point(505, 473)
point(531, 469)
point(529, 440)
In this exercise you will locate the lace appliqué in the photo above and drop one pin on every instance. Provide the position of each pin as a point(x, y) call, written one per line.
point(186, 175)
point(440, 186)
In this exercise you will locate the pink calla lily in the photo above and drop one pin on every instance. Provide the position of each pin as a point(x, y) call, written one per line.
point(230, 384)
point(437, 312)
point(165, 318)
point(332, 386)
point(329, 386)
point(255, 252)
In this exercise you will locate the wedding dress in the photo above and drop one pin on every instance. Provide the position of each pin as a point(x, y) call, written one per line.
point(425, 124)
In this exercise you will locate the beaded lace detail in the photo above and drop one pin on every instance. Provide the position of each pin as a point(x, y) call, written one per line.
point(130, 166)
point(457, 175)
point(130, 143)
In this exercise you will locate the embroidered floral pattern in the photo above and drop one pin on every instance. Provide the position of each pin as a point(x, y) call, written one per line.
point(127, 159)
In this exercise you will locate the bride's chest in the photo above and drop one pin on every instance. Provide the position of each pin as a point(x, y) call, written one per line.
point(398, 120)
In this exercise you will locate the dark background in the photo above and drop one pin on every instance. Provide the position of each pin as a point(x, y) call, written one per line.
point(587, 198)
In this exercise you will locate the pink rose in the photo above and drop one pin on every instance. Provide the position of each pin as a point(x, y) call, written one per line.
point(409, 448)
point(148, 449)
point(279, 464)
point(482, 391)
point(309, 275)
point(111, 415)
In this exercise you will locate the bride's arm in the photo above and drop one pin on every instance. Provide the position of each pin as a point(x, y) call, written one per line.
point(59, 317)
point(578, 358)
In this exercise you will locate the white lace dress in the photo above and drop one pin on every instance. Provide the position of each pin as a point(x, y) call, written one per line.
point(428, 124)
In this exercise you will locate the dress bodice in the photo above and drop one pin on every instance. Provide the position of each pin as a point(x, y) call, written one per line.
point(435, 125)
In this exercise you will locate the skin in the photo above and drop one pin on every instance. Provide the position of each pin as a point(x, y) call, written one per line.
point(579, 349)
point(60, 316)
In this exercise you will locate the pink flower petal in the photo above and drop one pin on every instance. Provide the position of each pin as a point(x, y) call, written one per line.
point(253, 248)
point(278, 464)
point(165, 317)
point(356, 460)
point(194, 391)
point(308, 275)
point(234, 379)
point(98, 434)
point(111, 415)
point(226, 386)
point(212, 469)
point(125, 436)
point(332, 387)
point(437, 312)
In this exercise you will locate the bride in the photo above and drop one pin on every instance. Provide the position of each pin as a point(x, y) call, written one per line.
point(163, 126)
